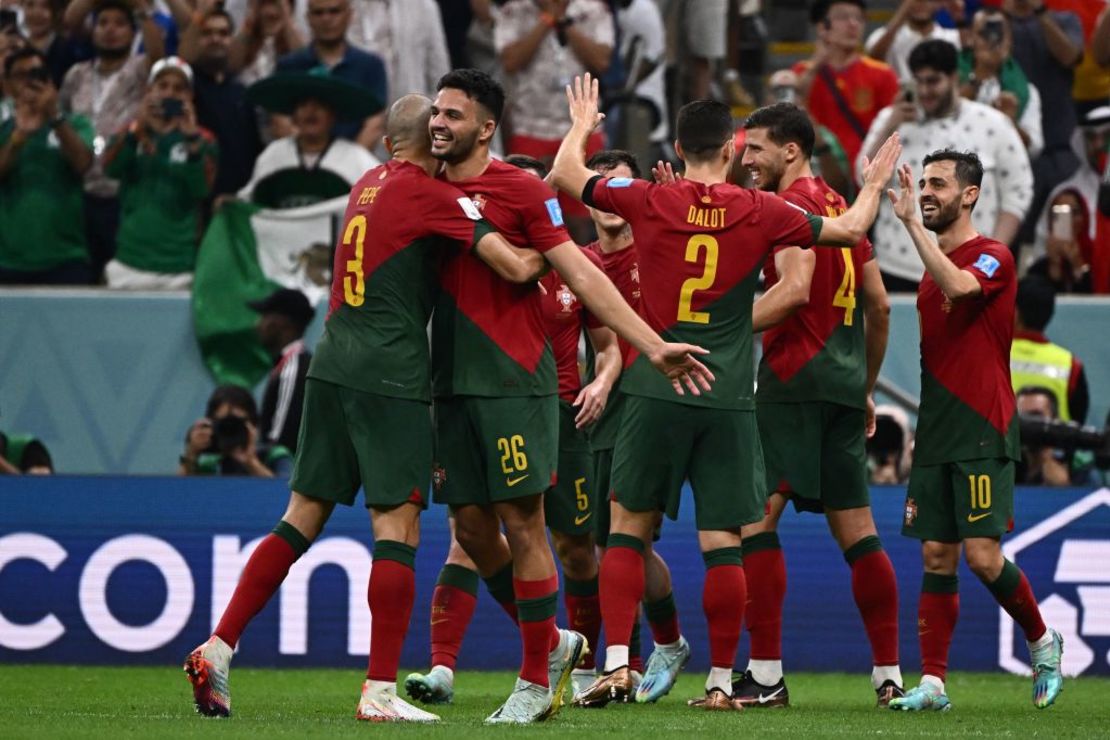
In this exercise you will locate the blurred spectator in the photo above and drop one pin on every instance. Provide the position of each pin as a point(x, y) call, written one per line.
point(329, 21)
point(544, 45)
point(843, 90)
point(1047, 466)
point(941, 119)
point(912, 23)
point(409, 38)
point(283, 317)
point(41, 25)
point(23, 453)
point(310, 165)
point(890, 449)
point(1092, 79)
point(43, 156)
point(108, 90)
point(703, 37)
point(220, 99)
point(1035, 361)
point(266, 34)
point(166, 165)
point(226, 441)
point(1071, 230)
point(1048, 46)
point(990, 75)
point(636, 115)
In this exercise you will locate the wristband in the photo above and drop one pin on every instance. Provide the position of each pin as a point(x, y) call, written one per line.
point(548, 20)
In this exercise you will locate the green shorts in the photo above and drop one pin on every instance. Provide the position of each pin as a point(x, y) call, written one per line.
point(951, 502)
point(350, 438)
point(663, 443)
point(815, 452)
point(494, 449)
point(569, 506)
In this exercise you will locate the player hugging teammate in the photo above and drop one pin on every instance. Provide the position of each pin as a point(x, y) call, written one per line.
point(437, 226)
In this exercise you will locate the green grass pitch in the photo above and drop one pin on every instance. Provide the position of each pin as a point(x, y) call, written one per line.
point(84, 701)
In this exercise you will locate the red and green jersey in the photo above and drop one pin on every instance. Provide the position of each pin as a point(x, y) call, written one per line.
point(818, 353)
point(386, 273)
point(967, 403)
point(487, 334)
point(564, 316)
point(700, 249)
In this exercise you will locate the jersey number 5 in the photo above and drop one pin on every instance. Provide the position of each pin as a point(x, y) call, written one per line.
point(846, 294)
point(708, 275)
point(354, 282)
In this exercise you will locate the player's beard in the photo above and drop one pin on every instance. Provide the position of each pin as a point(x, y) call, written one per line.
point(458, 149)
point(769, 178)
point(945, 215)
point(113, 54)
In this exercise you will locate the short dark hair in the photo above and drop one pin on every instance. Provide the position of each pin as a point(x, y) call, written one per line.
point(122, 6)
point(934, 54)
point(235, 396)
point(1036, 301)
point(819, 10)
point(524, 162)
point(610, 159)
point(785, 123)
point(702, 128)
point(479, 87)
point(219, 12)
point(1040, 390)
point(969, 170)
point(27, 52)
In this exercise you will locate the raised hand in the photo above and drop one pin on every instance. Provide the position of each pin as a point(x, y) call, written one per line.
point(676, 360)
point(877, 171)
point(905, 202)
point(664, 173)
point(582, 97)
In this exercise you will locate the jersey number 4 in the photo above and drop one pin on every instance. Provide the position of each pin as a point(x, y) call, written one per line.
point(708, 275)
point(354, 282)
point(846, 294)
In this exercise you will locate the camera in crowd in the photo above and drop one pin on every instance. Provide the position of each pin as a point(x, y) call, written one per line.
point(1038, 431)
point(229, 433)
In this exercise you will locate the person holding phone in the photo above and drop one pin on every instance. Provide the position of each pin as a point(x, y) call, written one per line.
point(166, 165)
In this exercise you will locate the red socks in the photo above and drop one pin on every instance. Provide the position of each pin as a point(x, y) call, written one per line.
point(875, 589)
point(453, 602)
point(936, 621)
point(390, 595)
point(1015, 595)
point(261, 578)
point(622, 587)
point(765, 572)
point(500, 587)
point(723, 598)
point(663, 618)
point(536, 604)
point(584, 613)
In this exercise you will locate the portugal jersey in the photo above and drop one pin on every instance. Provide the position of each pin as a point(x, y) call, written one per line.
point(818, 353)
point(700, 250)
point(385, 277)
point(967, 402)
point(564, 316)
point(487, 334)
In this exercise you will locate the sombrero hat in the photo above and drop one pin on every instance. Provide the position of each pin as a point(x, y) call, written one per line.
point(282, 92)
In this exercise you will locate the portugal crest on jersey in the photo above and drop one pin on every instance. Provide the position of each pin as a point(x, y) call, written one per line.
point(566, 298)
point(911, 512)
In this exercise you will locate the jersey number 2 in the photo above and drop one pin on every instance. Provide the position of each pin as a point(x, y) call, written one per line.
point(708, 275)
point(354, 282)
point(846, 294)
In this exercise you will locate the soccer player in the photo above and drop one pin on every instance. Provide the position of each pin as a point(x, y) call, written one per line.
point(701, 244)
point(617, 250)
point(825, 316)
point(495, 385)
point(366, 418)
point(961, 489)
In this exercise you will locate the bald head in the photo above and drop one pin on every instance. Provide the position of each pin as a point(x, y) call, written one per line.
point(407, 122)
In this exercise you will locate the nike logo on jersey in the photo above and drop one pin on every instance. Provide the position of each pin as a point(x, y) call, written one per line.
point(439, 621)
point(510, 482)
point(764, 698)
point(578, 520)
point(972, 518)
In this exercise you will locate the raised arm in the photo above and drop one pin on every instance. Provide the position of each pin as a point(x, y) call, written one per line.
point(569, 172)
point(848, 228)
point(794, 266)
point(881, 46)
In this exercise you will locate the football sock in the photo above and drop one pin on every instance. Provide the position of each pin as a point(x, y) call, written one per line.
point(875, 588)
point(931, 680)
point(723, 597)
point(880, 674)
point(719, 678)
point(765, 570)
point(663, 619)
point(390, 594)
point(766, 672)
point(635, 649)
point(536, 603)
point(453, 602)
point(500, 586)
point(583, 613)
point(262, 576)
point(1014, 594)
point(936, 621)
point(622, 588)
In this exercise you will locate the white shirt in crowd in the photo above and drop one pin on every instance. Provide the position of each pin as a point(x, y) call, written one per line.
point(642, 31)
point(345, 158)
point(1030, 118)
point(1007, 177)
point(905, 38)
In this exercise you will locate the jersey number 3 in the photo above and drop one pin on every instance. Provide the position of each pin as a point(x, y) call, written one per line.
point(354, 282)
point(708, 275)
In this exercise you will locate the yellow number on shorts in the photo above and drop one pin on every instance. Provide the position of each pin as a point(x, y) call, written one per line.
point(354, 283)
point(980, 486)
point(580, 496)
point(708, 275)
point(513, 458)
point(846, 294)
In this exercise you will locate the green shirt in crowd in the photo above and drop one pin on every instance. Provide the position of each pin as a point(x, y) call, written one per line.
point(161, 193)
point(41, 202)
